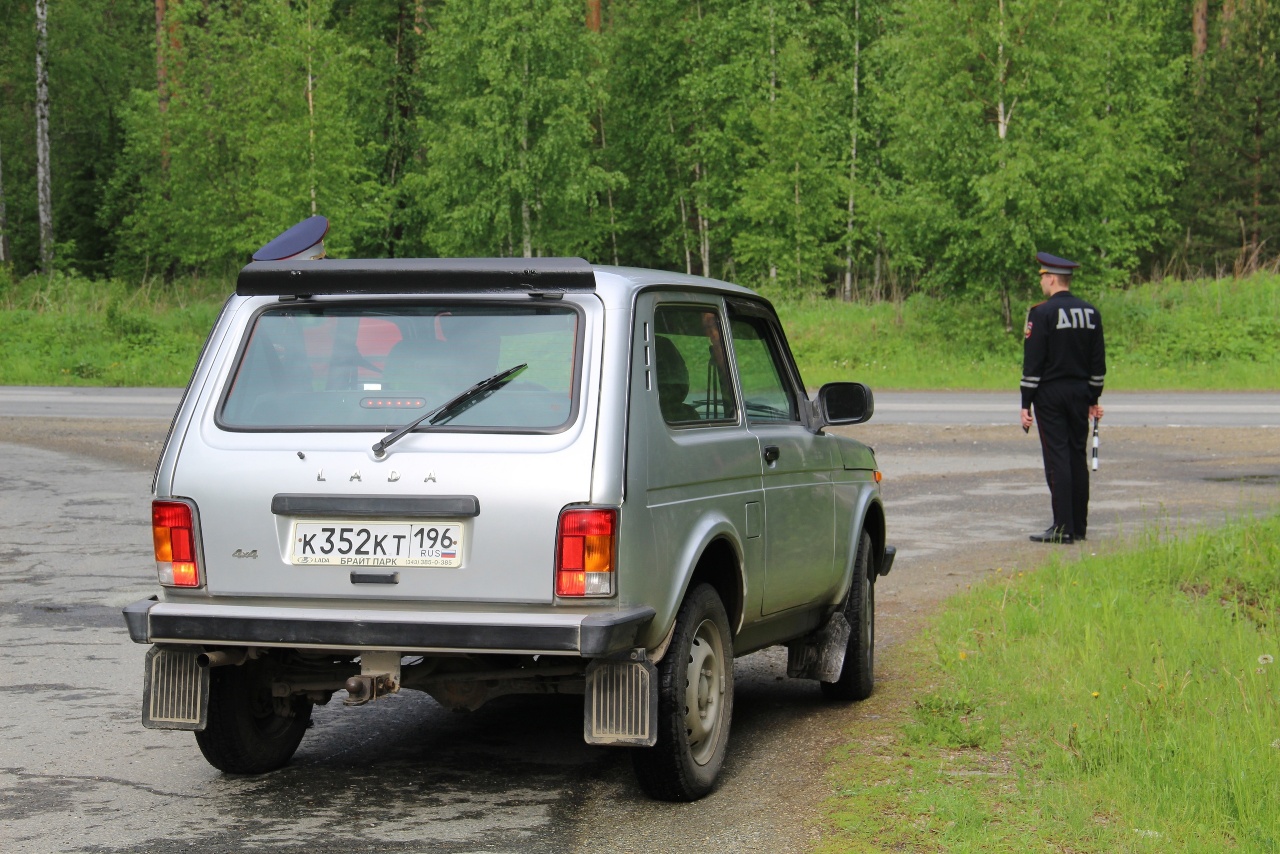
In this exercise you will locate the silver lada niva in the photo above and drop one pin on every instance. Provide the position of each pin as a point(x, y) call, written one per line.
point(477, 477)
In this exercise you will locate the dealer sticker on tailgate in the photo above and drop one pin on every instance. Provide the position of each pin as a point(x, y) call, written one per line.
point(376, 544)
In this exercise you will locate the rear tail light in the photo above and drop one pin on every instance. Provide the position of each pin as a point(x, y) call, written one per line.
point(585, 552)
point(174, 531)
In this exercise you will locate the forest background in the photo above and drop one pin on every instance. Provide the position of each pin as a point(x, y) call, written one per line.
point(860, 150)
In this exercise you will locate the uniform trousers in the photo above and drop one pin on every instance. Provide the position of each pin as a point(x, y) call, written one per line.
point(1062, 418)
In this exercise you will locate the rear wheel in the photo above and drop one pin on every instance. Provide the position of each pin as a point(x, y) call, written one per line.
point(857, 676)
point(249, 731)
point(695, 703)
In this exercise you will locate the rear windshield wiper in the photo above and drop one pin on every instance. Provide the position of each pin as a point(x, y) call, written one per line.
point(454, 407)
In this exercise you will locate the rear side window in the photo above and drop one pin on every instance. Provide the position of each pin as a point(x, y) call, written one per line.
point(691, 366)
point(377, 367)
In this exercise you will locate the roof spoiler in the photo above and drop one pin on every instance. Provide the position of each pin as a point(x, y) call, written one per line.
point(292, 278)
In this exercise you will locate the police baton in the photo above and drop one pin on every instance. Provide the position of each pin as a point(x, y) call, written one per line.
point(1095, 444)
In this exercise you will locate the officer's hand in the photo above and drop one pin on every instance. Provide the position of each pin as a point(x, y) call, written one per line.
point(1095, 411)
point(1027, 420)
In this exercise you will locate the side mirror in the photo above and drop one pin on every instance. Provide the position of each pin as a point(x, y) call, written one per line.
point(845, 403)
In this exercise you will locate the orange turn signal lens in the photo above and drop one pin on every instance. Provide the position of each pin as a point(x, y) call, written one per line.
point(879, 476)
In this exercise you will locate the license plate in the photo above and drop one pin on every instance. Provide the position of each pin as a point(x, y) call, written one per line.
point(376, 544)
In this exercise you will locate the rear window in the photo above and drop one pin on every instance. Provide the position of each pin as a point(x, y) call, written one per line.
point(377, 367)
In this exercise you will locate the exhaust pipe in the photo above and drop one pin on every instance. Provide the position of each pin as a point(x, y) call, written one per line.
point(221, 658)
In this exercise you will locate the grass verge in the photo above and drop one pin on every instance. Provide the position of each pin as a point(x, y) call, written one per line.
point(1126, 702)
point(67, 330)
point(1211, 334)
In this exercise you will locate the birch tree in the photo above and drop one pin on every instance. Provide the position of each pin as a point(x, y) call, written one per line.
point(789, 212)
point(1231, 200)
point(4, 218)
point(44, 195)
point(512, 165)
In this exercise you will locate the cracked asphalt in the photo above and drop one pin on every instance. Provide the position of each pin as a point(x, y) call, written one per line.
point(79, 773)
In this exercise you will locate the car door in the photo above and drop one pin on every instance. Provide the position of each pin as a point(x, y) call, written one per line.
point(701, 466)
point(798, 493)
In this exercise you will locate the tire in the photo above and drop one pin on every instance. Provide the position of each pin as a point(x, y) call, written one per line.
point(857, 677)
point(245, 734)
point(695, 703)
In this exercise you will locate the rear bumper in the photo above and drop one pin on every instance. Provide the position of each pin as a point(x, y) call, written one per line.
point(589, 635)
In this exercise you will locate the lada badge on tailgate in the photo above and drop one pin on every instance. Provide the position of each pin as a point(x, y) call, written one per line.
point(438, 544)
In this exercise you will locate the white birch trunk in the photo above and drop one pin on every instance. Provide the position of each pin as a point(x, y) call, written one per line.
point(853, 154)
point(44, 195)
point(684, 228)
point(684, 214)
point(604, 146)
point(4, 218)
point(311, 115)
point(799, 280)
point(526, 224)
point(1003, 115)
point(704, 227)
point(526, 229)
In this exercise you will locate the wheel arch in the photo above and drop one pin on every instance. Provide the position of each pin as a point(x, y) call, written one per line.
point(873, 524)
point(720, 565)
point(871, 519)
point(714, 555)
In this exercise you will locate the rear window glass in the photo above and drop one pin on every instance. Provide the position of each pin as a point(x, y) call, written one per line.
point(379, 367)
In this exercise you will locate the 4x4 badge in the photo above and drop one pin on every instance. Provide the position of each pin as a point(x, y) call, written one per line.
point(242, 553)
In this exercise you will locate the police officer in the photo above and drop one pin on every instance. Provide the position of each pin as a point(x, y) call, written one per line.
point(1063, 366)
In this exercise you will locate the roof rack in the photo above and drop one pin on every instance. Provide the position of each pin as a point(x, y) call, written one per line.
point(414, 276)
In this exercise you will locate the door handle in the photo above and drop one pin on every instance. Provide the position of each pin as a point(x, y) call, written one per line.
point(771, 453)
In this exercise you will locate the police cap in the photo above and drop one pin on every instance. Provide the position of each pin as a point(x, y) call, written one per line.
point(304, 240)
point(1054, 264)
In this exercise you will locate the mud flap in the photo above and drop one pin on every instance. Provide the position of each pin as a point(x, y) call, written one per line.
point(175, 690)
point(621, 705)
point(886, 562)
point(821, 654)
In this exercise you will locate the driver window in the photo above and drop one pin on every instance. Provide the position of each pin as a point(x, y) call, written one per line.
point(691, 367)
point(766, 396)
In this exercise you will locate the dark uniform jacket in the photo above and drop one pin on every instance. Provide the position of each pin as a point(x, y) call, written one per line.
point(1063, 342)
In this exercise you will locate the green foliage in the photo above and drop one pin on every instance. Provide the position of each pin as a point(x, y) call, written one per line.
point(1231, 199)
point(99, 51)
point(1122, 702)
point(238, 145)
point(870, 148)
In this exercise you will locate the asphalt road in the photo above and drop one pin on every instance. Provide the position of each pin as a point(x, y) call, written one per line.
point(79, 773)
point(1124, 409)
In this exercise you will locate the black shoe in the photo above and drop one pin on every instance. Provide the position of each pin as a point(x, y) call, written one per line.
point(1079, 538)
point(1053, 535)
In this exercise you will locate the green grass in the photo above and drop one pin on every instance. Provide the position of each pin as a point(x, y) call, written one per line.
point(1210, 334)
point(1127, 702)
